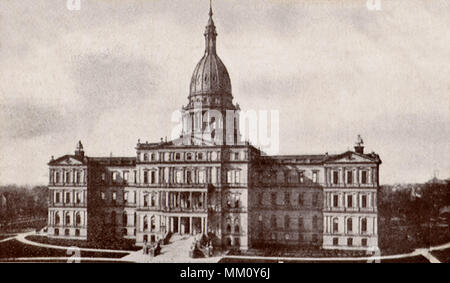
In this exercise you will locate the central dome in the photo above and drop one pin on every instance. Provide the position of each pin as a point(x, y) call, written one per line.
point(210, 76)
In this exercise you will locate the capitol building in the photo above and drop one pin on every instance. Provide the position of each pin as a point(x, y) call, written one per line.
point(209, 181)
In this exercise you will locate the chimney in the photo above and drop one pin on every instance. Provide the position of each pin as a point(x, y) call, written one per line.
point(359, 145)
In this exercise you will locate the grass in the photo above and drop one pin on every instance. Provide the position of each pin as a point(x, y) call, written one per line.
point(15, 249)
point(443, 256)
point(415, 259)
point(124, 244)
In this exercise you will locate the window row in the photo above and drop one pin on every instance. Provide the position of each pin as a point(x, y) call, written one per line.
point(350, 176)
point(184, 156)
point(350, 226)
point(288, 199)
point(350, 242)
point(68, 197)
point(70, 176)
point(351, 200)
point(289, 222)
point(68, 218)
point(288, 177)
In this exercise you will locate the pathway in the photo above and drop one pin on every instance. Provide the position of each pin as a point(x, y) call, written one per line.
point(178, 251)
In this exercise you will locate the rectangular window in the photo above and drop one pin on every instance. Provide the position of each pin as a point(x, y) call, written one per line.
point(300, 177)
point(78, 197)
point(315, 199)
point(349, 177)
point(153, 177)
point(287, 198)
point(236, 156)
point(274, 198)
point(135, 176)
point(57, 198)
point(145, 177)
point(67, 197)
point(335, 200)
point(349, 242)
point(125, 197)
point(350, 201)
point(335, 177)
point(335, 241)
point(363, 201)
point(314, 177)
point(364, 177)
point(364, 242)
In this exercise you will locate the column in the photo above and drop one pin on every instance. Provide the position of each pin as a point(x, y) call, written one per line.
point(167, 199)
point(190, 199)
point(190, 225)
point(202, 225)
point(179, 225)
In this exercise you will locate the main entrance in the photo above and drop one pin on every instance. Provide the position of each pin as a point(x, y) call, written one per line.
point(188, 224)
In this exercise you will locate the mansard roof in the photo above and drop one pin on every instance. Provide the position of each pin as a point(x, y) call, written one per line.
point(321, 159)
point(79, 160)
point(113, 161)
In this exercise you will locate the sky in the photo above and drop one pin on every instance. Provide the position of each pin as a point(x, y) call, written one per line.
point(114, 71)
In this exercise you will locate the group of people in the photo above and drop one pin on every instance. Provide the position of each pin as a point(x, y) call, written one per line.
point(152, 249)
point(201, 246)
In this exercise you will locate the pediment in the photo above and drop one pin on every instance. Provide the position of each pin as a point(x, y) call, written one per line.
point(66, 160)
point(351, 157)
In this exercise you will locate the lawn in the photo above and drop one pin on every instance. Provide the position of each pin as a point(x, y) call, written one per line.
point(415, 259)
point(15, 249)
point(443, 256)
point(127, 245)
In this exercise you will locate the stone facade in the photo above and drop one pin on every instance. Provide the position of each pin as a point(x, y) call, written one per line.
point(208, 181)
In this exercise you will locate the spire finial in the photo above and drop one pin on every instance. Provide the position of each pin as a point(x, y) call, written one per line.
point(210, 8)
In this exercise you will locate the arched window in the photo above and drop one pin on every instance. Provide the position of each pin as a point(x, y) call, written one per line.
point(273, 221)
point(57, 219)
point(67, 219)
point(67, 232)
point(228, 228)
point(78, 219)
point(145, 157)
point(335, 225)
point(349, 225)
point(145, 223)
point(124, 219)
point(56, 232)
point(287, 221)
point(113, 218)
point(236, 226)
point(364, 225)
point(152, 223)
point(57, 178)
point(153, 157)
point(315, 222)
point(77, 232)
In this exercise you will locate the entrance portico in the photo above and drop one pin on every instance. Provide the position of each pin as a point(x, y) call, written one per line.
point(188, 224)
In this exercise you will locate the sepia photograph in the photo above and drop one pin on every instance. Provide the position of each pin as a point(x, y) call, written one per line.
point(225, 131)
